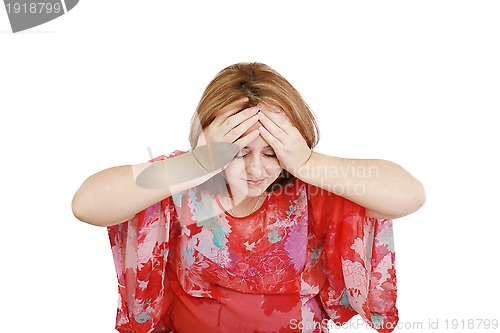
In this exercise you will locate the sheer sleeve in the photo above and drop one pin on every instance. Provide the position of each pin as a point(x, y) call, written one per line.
point(140, 248)
point(360, 263)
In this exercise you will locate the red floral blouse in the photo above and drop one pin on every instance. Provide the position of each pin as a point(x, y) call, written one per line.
point(306, 260)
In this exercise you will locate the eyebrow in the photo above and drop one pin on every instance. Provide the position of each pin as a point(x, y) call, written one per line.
point(268, 146)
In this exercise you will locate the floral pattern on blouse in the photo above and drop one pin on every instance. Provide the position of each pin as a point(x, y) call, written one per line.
point(304, 257)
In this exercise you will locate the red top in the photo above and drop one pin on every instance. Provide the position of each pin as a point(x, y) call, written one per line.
point(304, 257)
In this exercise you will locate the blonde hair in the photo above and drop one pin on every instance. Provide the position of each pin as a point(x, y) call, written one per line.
point(260, 84)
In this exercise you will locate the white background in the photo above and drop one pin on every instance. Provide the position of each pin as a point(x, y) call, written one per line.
point(417, 83)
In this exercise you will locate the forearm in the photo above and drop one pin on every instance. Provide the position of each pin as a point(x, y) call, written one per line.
point(113, 195)
point(384, 188)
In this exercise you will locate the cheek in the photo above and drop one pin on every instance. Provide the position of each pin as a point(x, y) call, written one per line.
point(273, 168)
point(236, 167)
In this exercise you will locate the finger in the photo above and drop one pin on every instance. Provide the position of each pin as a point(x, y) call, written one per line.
point(280, 119)
point(237, 131)
point(275, 130)
point(276, 144)
point(247, 139)
point(235, 120)
point(230, 109)
point(220, 131)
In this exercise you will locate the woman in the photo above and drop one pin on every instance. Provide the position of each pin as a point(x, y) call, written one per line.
point(251, 230)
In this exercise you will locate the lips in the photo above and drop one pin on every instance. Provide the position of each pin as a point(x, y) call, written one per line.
point(254, 182)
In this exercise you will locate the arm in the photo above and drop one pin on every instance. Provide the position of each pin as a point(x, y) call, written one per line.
point(116, 194)
point(384, 188)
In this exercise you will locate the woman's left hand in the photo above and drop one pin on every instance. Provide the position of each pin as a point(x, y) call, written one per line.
point(288, 144)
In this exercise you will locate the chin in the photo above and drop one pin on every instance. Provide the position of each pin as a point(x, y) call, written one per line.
point(251, 192)
point(256, 193)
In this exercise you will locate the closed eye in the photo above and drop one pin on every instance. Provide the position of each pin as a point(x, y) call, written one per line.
point(244, 155)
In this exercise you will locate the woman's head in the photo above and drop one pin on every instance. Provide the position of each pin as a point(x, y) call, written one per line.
point(262, 86)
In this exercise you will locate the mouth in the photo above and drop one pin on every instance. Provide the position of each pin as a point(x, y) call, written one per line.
point(254, 182)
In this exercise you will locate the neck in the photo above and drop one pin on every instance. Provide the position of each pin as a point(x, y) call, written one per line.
point(238, 199)
point(244, 202)
point(243, 205)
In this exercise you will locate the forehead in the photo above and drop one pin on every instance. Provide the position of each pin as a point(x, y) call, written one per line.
point(258, 144)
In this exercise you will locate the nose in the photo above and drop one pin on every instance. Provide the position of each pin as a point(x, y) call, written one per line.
point(254, 167)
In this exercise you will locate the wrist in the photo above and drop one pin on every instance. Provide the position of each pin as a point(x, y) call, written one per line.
point(215, 155)
point(305, 168)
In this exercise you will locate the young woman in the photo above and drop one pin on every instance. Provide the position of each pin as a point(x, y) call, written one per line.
point(251, 230)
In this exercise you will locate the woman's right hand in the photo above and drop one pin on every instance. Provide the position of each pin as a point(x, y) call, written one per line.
point(231, 124)
point(226, 129)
